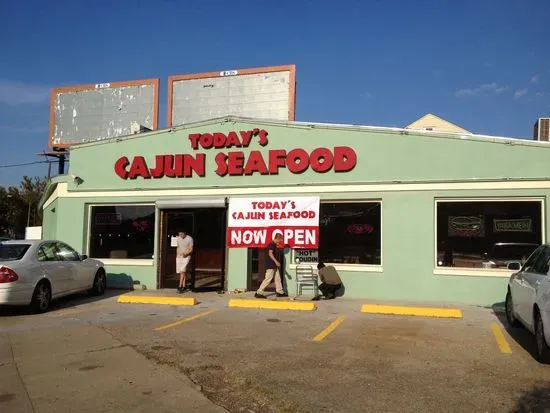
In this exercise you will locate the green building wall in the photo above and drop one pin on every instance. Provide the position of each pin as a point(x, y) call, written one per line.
point(49, 226)
point(407, 248)
point(385, 159)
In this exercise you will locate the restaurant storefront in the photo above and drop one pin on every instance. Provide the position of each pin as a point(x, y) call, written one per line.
point(403, 214)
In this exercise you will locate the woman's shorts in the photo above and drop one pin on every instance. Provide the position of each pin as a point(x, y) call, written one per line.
point(181, 264)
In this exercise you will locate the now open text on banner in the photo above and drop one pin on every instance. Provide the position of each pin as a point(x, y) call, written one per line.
point(253, 222)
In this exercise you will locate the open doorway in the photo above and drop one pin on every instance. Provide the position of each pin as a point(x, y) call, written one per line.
point(207, 227)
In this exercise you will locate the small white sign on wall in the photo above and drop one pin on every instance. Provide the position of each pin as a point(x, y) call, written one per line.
point(306, 255)
point(173, 241)
point(33, 233)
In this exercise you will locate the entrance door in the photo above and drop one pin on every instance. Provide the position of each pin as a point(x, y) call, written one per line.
point(207, 227)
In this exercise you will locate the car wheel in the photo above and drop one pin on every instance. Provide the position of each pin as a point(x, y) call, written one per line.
point(510, 317)
point(42, 297)
point(100, 283)
point(543, 351)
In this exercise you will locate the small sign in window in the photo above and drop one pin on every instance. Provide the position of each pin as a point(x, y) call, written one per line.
point(306, 255)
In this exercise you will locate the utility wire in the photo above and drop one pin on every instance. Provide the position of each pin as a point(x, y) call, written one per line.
point(15, 165)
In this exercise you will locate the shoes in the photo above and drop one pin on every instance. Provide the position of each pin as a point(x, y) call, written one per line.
point(259, 295)
point(282, 295)
point(316, 298)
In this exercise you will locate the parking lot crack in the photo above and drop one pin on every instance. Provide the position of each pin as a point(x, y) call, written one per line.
point(104, 349)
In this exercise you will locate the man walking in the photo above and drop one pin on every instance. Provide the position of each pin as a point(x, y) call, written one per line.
point(183, 256)
point(272, 268)
point(330, 281)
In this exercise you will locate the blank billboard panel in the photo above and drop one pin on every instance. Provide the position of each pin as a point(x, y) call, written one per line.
point(88, 113)
point(265, 93)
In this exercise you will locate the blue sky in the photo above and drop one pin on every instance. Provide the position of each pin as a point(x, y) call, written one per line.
point(484, 65)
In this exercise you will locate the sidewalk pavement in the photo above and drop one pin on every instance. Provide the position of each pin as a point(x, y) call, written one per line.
point(93, 372)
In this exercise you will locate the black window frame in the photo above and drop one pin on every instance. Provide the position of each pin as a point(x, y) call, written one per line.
point(89, 248)
point(505, 200)
point(376, 201)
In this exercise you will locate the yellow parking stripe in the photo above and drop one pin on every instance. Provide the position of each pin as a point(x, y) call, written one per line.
point(413, 311)
point(185, 320)
point(153, 299)
point(332, 326)
point(501, 340)
point(272, 304)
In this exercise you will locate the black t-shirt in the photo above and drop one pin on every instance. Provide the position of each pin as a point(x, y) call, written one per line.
point(269, 264)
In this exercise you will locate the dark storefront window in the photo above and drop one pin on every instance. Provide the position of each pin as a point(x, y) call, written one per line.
point(122, 231)
point(487, 234)
point(350, 232)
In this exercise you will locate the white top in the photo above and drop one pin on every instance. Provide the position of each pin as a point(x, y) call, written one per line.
point(185, 245)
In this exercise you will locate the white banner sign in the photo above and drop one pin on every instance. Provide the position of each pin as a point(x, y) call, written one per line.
point(254, 221)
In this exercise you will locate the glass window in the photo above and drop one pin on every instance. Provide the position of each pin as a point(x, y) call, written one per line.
point(47, 252)
point(530, 263)
point(487, 234)
point(541, 265)
point(66, 253)
point(13, 252)
point(122, 231)
point(350, 232)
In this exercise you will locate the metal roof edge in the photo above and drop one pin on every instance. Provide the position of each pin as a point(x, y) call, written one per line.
point(322, 125)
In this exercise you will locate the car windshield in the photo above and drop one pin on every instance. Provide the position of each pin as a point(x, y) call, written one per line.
point(512, 252)
point(12, 252)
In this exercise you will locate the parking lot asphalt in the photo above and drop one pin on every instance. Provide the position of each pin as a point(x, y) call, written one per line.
point(100, 355)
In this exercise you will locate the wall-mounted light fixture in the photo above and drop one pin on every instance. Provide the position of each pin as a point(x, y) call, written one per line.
point(77, 179)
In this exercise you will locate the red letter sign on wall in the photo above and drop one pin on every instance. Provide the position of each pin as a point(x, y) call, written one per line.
point(254, 221)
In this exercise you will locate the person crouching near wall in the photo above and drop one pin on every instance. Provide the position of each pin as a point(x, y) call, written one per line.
point(330, 281)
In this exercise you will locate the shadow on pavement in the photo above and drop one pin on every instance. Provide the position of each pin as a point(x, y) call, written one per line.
point(69, 301)
point(121, 280)
point(536, 400)
point(520, 335)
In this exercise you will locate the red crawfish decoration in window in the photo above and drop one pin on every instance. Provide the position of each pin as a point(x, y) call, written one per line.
point(141, 225)
point(360, 229)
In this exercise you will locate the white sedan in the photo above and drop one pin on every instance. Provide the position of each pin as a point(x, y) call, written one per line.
point(528, 299)
point(36, 272)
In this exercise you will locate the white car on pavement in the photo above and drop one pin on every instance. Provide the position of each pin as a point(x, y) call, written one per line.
point(35, 272)
point(528, 299)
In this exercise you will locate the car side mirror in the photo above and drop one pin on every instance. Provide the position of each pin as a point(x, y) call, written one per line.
point(84, 257)
point(514, 266)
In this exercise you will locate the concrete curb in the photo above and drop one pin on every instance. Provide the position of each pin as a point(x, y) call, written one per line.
point(413, 311)
point(150, 299)
point(271, 304)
